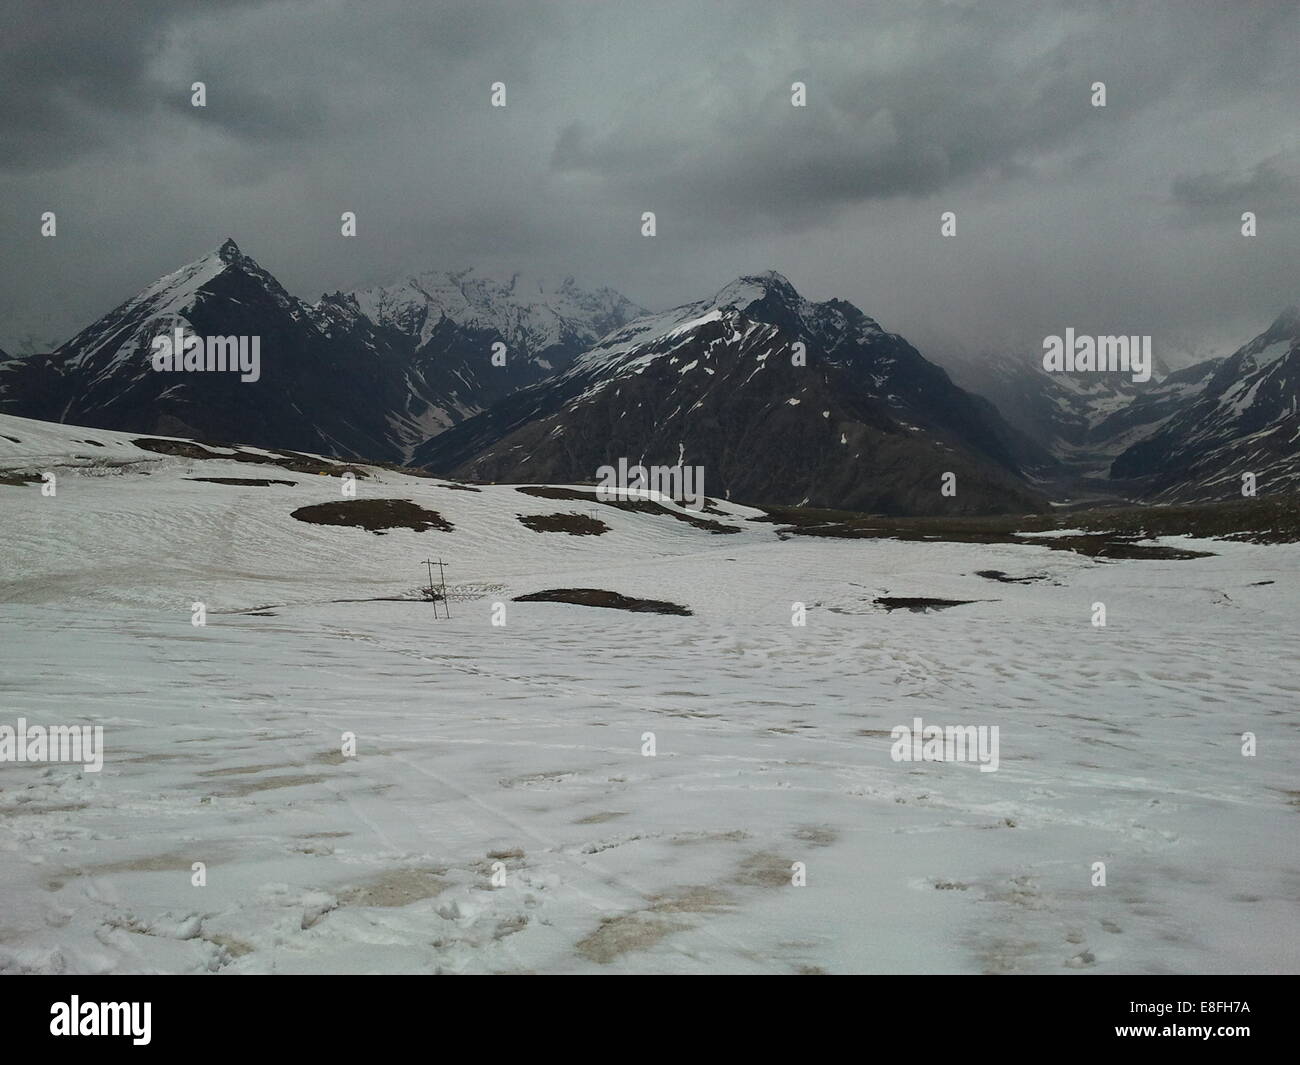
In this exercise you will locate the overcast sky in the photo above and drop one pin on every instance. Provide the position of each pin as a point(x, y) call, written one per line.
point(1123, 219)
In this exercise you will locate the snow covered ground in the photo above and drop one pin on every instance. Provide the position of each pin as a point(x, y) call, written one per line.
point(518, 748)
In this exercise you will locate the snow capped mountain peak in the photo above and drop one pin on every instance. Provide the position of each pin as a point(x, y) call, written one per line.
point(763, 306)
point(770, 297)
point(530, 313)
point(175, 294)
point(1276, 343)
point(229, 251)
point(446, 327)
point(189, 298)
point(780, 398)
point(751, 288)
point(1286, 326)
point(1289, 318)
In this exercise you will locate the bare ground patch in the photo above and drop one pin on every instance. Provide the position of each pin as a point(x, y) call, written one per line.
point(1110, 534)
point(600, 598)
point(293, 461)
point(1005, 578)
point(634, 505)
point(920, 604)
point(620, 935)
point(735, 835)
point(236, 948)
point(155, 756)
point(764, 869)
point(601, 817)
point(172, 862)
point(242, 482)
point(240, 770)
point(816, 835)
point(34, 808)
point(397, 887)
point(642, 929)
point(572, 523)
point(251, 787)
point(376, 515)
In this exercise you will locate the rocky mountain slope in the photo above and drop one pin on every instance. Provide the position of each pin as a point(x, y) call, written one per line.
point(1244, 420)
point(864, 421)
point(332, 378)
point(451, 323)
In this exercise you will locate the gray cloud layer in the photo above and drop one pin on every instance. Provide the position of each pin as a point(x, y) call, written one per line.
point(1125, 219)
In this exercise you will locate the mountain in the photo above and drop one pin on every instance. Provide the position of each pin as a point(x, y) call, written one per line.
point(1084, 420)
point(867, 423)
point(1243, 420)
point(405, 373)
point(1155, 403)
point(450, 322)
point(542, 323)
point(317, 390)
point(22, 342)
point(333, 378)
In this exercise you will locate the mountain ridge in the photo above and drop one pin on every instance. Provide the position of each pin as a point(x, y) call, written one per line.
point(788, 400)
point(866, 390)
point(1244, 420)
point(339, 382)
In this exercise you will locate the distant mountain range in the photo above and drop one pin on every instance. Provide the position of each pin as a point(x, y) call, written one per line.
point(1183, 436)
point(780, 399)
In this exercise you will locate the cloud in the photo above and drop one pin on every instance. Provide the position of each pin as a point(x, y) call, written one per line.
point(1270, 187)
point(67, 68)
point(939, 97)
point(620, 107)
point(77, 78)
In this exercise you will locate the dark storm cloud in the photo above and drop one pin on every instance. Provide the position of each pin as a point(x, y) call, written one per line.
point(66, 65)
point(1270, 187)
point(963, 93)
point(71, 69)
point(675, 106)
point(252, 116)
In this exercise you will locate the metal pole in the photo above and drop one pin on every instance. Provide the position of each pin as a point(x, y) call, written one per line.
point(446, 606)
point(432, 591)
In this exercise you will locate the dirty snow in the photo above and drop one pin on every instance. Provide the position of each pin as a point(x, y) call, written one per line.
point(519, 747)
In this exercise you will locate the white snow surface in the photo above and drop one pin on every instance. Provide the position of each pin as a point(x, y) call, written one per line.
point(162, 305)
point(522, 745)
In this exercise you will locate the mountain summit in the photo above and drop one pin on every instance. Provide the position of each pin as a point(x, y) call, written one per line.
point(362, 375)
point(315, 392)
point(451, 324)
point(780, 399)
point(540, 320)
